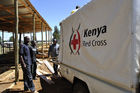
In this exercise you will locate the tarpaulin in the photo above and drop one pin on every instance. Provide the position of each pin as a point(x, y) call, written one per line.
point(103, 39)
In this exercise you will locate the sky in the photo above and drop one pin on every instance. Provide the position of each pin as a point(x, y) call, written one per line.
point(53, 11)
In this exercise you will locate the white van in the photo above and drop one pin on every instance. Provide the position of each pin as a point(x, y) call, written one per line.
point(100, 47)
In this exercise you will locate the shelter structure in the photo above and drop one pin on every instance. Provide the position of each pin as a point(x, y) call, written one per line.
point(19, 17)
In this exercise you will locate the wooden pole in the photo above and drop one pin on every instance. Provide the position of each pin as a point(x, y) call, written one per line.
point(1, 45)
point(23, 35)
point(34, 35)
point(16, 41)
point(42, 37)
point(13, 41)
point(3, 42)
point(46, 37)
point(19, 38)
point(51, 36)
point(31, 36)
point(9, 46)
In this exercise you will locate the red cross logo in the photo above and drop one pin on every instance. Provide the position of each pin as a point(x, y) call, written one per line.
point(74, 43)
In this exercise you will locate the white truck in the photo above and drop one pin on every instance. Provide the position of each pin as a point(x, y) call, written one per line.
point(100, 47)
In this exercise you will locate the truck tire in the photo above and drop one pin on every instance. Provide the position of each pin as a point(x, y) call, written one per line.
point(80, 88)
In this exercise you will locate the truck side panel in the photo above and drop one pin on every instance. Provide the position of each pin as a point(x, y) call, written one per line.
point(97, 40)
point(94, 84)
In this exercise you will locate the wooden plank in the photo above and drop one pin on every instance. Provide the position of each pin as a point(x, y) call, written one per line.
point(49, 66)
point(6, 20)
point(26, 6)
point(44, 77)
point(10, 7)
point(8, 10)
point(12, 16)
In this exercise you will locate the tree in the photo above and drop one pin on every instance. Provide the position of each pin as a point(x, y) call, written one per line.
point(11, 39)
point(56, 33)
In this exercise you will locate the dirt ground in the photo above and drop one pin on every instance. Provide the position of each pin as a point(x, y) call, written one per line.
point(45, 83)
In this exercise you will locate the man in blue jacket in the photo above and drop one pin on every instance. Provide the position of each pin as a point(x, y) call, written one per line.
point(26, 63)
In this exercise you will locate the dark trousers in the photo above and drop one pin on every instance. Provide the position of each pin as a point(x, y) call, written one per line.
point(34, 67)
point(55, 67)
point(27, 77)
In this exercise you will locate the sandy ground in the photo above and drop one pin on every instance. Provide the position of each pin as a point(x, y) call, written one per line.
point(45, 83)
point(6, 80)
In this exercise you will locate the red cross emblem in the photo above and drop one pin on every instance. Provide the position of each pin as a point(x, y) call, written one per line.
point(74, 43)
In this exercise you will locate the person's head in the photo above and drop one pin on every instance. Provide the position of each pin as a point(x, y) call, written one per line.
point(77, 7)
point(54, 41)
point(33, 43)
point(26, 39)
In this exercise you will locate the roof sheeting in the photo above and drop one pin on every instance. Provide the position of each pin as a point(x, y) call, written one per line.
point(26, 11)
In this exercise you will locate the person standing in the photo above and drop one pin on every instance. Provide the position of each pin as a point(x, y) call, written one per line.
point(53, 52)
point(73, 11)
point(26, 63)
point(34, 51)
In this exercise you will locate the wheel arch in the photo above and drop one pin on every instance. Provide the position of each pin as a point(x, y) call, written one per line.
point(77, 80)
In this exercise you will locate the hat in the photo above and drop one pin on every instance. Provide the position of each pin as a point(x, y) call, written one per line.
point(54, 40)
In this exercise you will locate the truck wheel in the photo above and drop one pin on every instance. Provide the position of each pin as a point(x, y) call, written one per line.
point(80, 88)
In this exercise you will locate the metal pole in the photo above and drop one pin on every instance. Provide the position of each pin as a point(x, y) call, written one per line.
point(16, 41)
point(34, 27)
point(42, 38)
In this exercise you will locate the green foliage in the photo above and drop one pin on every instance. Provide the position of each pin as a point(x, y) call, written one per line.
point(56, 33)
point(11, 39)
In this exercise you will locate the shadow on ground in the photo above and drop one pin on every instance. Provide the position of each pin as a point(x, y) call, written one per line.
point(6, 61)
point(59, 85)
point(56, 85)
point(14, 91)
